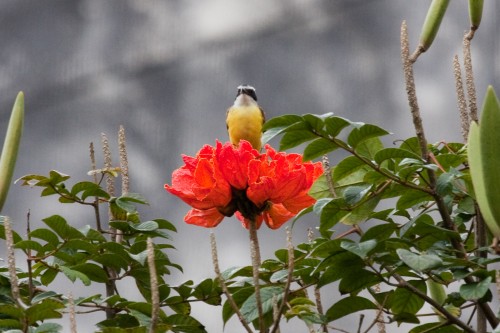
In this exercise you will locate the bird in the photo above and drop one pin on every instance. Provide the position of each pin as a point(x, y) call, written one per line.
point(245, 118)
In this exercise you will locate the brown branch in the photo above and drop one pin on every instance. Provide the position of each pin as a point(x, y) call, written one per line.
point(451, 318)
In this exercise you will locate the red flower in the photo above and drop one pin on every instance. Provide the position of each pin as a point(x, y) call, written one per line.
point(223, 180)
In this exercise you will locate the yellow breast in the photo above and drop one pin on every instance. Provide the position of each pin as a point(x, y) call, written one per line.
point(244, 122)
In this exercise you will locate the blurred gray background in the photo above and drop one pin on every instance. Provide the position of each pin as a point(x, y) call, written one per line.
point(168, 70)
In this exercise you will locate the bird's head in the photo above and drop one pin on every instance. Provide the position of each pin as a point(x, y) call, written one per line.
point(247, 90)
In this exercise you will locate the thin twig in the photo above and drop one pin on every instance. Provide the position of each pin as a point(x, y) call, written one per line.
point(93, 166)
point(360, 323)
point(462, 102)
point(225, 290)
point(256, 261)
point(29, 260)
point(155, 293)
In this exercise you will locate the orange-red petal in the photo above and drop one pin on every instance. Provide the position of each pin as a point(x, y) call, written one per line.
point(207, 218)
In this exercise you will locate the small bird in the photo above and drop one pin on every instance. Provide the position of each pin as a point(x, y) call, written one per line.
point(244, 119)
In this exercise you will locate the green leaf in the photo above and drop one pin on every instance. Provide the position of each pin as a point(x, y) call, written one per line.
point(43, 295)
point(355, 279)
point(365, 132)
point(361, 213)
point(178, 305)
point(393, 153)
point(240, 296)
point(420, 263)
point(349, 305)
point(57, 177)
point(282, 121)
point(46, 309)
point(354, 194)
point(405, 301)
point(48, 328)
point(140, 257)
point(295, 135)
point(73, 275)
point(12, 311)
point(334, 125)
point(476, 290)
point(48, 276)
point(45, 234)
point(318, 147)
point(113, 260)
point(359, 249)
point(92, 271)
point(316, 122)
point(89, 189)
point(145, 226)
point(249, 307)
point(28, 245)
point(62, 228)
point(411, 198)
point(184, 323)
point(347, 166)
point(435, 328)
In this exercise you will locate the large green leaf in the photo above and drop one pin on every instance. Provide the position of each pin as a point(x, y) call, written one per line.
point(92, 271)
point(62, 228)
point(347, 166)
point(476, 290)
point(419, 262)
point(267, 295)
point(334, 125)
point(319, 147)
point(354, 280)
point(412, 198)
point(46, 309)
point(359, 249)
point(296, 134)
point(435, 328)
point(74, 274)
point(277, 125)
point(405, 301)
point(361, 212)
point(363, 133)
point(393, 153)
point(240, 296)
point(349, 305)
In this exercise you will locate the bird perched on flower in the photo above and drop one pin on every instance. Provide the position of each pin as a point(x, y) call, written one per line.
point(245, 118)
